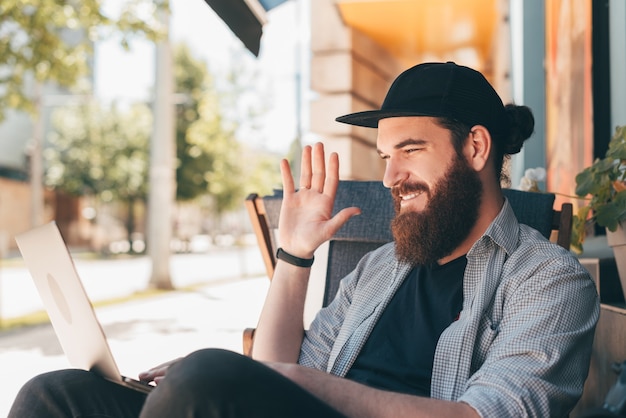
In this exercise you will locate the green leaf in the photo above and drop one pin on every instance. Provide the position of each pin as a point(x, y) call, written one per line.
point(584, 182)
point(35, 40)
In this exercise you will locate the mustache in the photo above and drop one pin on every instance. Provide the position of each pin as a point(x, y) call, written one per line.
point(408, 188)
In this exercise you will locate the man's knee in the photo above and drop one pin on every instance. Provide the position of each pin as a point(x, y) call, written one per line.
point(205, 383)
point(212, 371)
point(48, 383)
point(45, 392)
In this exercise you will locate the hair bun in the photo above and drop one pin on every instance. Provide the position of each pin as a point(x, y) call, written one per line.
point(521, 127)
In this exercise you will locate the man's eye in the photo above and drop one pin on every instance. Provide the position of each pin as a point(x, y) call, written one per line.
point(411, 150)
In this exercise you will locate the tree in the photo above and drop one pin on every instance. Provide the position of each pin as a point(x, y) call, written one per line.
point(101, 152)
point(223, 178)
point(261, 172)
point(206, 147)
point(104, 151)
point(193, 83)
point(211, 160)
point(52, 41)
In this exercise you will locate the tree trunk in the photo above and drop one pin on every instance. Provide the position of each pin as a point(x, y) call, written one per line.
point(130, 221)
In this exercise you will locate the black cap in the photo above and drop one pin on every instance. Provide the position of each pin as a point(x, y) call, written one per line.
point(439, 90)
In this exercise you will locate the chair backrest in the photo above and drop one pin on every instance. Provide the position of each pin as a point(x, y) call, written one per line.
point(537, 210)
point(358, 236)
point(371, 229)
point(361, 234)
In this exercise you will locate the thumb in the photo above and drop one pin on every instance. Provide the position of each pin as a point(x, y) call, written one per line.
point(341, 218)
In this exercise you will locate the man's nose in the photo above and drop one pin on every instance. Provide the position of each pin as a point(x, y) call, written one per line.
point(394, 174)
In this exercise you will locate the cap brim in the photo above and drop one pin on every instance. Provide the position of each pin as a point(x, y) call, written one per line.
point(370, 118)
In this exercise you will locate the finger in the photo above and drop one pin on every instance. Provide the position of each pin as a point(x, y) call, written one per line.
point(332, 176)
point(287, 177)
point(319, 168)
point(157, 370)
point(148, 375)
point(305, 168)
point(152, 373)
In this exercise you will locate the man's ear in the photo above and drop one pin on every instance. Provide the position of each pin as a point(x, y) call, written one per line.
point(478, 147)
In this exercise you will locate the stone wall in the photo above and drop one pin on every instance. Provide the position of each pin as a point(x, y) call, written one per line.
point(350, 73)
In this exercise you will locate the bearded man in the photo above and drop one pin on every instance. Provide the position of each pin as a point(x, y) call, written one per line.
point(467, 313)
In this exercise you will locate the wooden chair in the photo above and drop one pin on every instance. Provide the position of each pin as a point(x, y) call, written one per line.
point(370, 230)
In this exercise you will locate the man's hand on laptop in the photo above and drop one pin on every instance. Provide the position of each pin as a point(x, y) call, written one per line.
point(156, 374)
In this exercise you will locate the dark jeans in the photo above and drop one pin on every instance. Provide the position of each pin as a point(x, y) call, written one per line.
point(207, 383)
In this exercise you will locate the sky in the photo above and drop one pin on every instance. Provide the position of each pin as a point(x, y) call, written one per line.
point(128, 76)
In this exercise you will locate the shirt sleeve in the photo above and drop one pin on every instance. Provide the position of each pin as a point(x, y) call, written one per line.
point(539, 348)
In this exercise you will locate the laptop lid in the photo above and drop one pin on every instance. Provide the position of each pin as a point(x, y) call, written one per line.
point(69, 308)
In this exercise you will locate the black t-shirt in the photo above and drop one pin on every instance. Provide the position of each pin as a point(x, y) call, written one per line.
point(399, 353)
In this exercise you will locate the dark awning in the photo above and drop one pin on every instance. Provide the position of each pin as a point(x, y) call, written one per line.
point(245, 18)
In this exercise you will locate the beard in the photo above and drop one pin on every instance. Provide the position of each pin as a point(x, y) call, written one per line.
point(450, 214)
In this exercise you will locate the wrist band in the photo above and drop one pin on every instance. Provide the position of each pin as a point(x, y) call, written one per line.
point(293, 260)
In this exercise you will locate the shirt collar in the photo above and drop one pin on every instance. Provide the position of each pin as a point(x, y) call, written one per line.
point(503, 231)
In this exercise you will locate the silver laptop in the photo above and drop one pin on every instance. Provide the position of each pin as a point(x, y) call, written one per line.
point(68, 306)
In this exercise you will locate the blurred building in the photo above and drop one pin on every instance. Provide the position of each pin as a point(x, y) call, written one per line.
point(20, 146)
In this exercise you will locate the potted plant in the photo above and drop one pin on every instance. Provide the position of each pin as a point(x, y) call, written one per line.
point(603, 187)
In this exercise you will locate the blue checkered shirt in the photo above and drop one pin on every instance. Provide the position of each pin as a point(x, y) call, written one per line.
point(522, 344)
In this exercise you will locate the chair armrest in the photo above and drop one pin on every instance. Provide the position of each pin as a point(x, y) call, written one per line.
point(565, 225)
point(258, 219)
point(248, 341)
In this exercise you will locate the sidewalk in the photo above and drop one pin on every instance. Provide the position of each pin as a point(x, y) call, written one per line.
point(146, 332)
point(106, 279)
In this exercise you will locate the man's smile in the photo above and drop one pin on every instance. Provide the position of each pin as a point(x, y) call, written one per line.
point(412, 201)
point(410, 196)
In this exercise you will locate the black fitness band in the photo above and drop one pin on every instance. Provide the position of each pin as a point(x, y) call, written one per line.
point(293, 260)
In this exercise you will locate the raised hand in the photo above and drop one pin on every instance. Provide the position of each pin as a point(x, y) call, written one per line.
point(305, 216)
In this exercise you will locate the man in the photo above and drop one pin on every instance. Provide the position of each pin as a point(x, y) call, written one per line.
point(467, 313)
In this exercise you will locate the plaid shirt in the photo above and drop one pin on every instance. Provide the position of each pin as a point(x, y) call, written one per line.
point(522, 344)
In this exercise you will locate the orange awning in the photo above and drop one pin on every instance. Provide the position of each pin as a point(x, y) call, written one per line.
point(423, 29)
